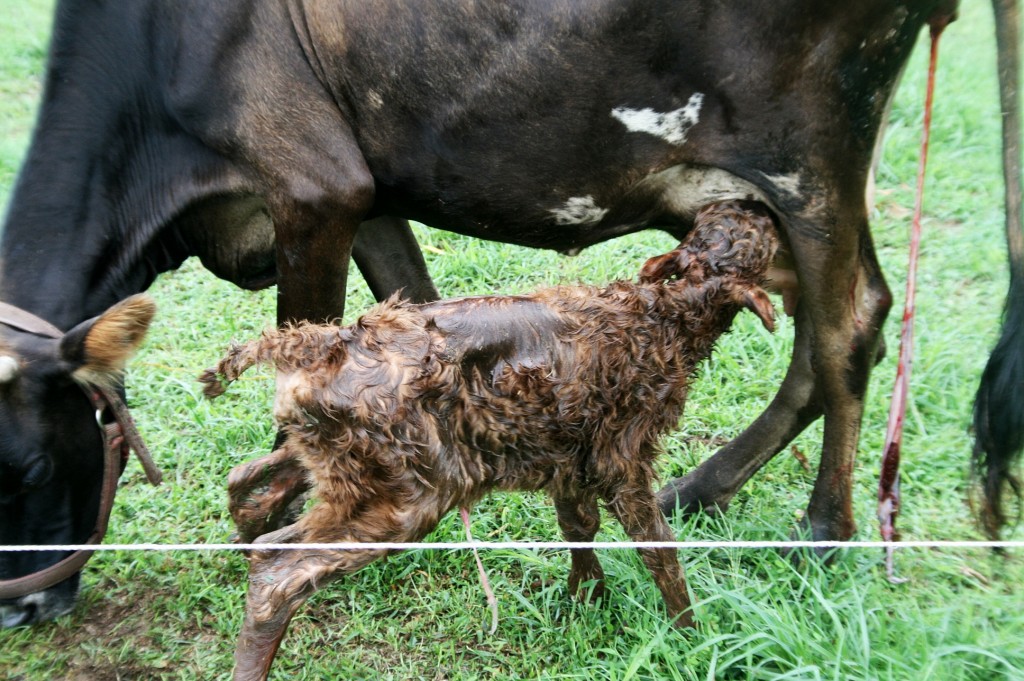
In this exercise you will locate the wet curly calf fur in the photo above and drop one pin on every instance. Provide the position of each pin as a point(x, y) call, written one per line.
point(415, 410)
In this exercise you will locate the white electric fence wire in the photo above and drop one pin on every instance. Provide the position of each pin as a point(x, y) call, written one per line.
point(524, 545)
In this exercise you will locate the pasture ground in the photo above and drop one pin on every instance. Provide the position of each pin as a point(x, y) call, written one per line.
point(420, 615)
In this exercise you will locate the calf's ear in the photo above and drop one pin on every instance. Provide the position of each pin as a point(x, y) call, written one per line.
point(98, 348)
point(757, 301)
point(665, 267)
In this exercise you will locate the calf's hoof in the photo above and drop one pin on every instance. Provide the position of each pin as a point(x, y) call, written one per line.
point(588, 590)
point(265, 495)
point(684, 620)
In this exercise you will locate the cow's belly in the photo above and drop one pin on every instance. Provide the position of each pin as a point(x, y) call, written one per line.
point(565, 218)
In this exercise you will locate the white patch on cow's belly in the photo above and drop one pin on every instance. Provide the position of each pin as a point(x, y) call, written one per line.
point(670, 126)
point(787, 184)
point(683, 190)
point(579, 210)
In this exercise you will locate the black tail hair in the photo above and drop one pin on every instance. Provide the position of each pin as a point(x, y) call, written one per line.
point(999, 415)
point(999, 405)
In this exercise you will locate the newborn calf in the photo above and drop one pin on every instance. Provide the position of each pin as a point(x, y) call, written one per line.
point(418, 409)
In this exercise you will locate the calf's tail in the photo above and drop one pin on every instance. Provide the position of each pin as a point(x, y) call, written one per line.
point(239, 358)
point(999, 405)
point(288, 349)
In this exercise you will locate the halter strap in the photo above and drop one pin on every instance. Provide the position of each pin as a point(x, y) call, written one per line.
point(23, 320)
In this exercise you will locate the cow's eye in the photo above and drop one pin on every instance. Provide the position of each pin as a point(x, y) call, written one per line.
point(38, 473)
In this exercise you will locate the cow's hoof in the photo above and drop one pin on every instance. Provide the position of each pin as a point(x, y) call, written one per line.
point(832, 533)
point(689, 495)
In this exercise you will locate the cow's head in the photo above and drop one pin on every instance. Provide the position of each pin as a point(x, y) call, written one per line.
point(51, 447)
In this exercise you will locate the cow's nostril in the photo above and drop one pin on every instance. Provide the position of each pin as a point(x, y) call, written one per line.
point(17, 615)
point(10, 480)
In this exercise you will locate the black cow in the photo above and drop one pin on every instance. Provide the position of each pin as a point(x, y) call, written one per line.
point(273, 139)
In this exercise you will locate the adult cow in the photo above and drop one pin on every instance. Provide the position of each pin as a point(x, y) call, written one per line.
point(273, 138)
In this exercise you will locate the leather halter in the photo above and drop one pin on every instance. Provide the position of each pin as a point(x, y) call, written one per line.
point(119, 437)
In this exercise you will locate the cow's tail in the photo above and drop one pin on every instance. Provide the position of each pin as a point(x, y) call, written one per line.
point(999, 405)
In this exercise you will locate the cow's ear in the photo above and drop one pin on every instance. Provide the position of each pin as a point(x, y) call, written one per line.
point(98, 348)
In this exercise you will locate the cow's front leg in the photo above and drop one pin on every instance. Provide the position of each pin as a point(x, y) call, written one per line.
point(388, 255)
point(268, 493)
point(317, 194)
point(315, 225)
point(314, 244)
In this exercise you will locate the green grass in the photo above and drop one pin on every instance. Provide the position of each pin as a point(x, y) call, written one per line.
point(147, 615)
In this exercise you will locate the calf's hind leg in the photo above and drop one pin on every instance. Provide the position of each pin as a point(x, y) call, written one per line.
point(263, 493)
point(280, 581)
point(580, 519)
point(268, 493)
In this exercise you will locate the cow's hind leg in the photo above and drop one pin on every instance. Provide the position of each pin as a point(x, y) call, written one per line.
point(843, 303)
point(847, 301)
point(716, 481)
point(580, 519)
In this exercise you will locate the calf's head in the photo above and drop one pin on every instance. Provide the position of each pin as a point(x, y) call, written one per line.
point(51, 447)
point(733, 241)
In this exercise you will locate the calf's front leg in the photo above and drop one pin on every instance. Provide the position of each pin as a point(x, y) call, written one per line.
point(638, 512)
point(631, 500)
